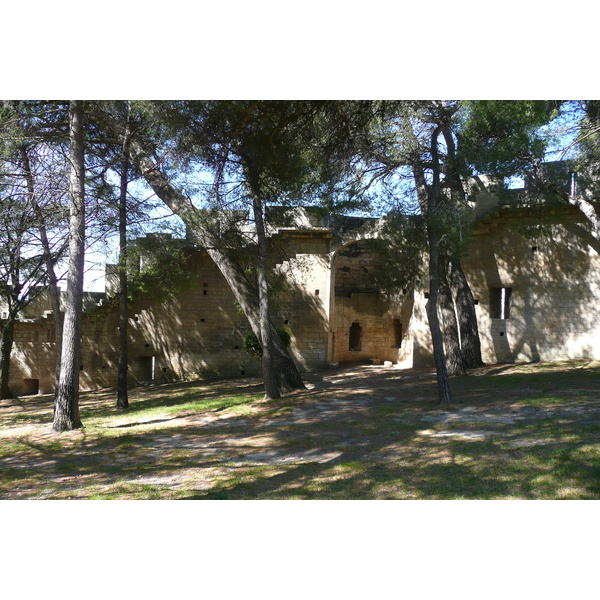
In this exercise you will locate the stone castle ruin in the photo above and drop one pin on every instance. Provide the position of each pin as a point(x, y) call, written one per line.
point(536, 288)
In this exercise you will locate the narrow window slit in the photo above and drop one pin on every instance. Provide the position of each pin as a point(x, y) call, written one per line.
point(355, 342)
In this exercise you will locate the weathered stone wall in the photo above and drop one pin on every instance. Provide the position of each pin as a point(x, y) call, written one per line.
point(367, 322)
point(377, 316)
point(554, 280)
point(302, 303)
point(197, 333)
point(33, 355)
point(320, 291)
point(420, 334)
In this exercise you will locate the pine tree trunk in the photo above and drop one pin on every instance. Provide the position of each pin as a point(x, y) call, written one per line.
point(122, 396)
point(444, 393)
point(454, 360)
point(463, 297)
point(58, 326)
point(264, 309)
point(584, 235)
point(66, 405)
point(288, 376)
point(5, 351)
point(429, 197)
point(467, 317)
point(588, 211)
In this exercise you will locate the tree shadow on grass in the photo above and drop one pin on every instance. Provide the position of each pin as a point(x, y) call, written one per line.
point(371, 481)
point(500, 369)
point(169, 401)
point(378, 447)
point(362, 478)
point(137, 423)
point(415, 468)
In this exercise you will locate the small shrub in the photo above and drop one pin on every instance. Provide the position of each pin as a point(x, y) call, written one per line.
point(253, 347)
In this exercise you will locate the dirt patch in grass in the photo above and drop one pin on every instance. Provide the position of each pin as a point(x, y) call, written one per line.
point(515, 431)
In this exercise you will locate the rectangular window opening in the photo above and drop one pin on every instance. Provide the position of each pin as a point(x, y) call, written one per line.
point(355, 338)
point(500, 303)
point(31, 387)
point(397, 324)
point(147, 366)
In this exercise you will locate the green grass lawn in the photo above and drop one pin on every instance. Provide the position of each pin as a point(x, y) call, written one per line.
point(514, 432)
